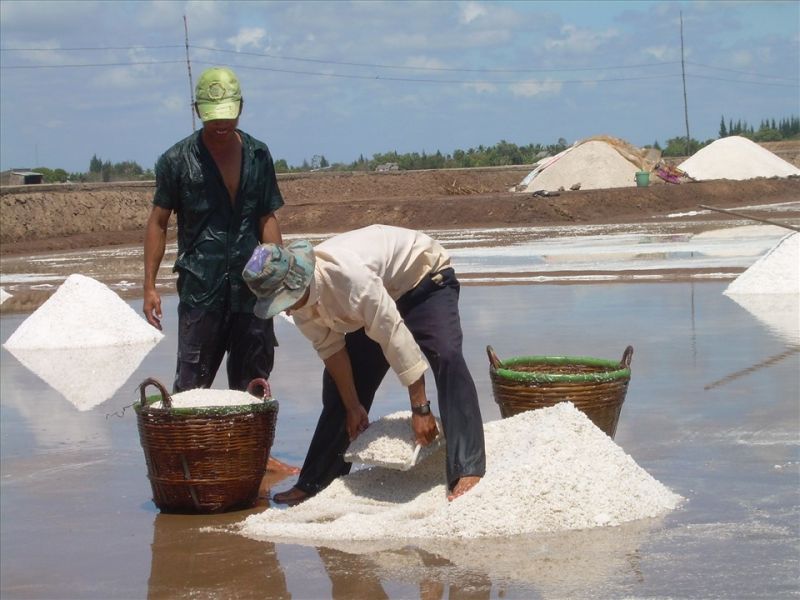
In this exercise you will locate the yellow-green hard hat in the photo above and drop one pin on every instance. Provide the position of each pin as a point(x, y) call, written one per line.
point(218, 94)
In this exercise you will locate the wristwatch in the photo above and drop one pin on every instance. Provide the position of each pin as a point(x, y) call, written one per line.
point(421, 409)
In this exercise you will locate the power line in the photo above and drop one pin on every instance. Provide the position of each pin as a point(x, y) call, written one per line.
point(447, 81)
point(74, 66)
point(399, 79)
point(688, 62)
point(421, 68)
point(88, 48)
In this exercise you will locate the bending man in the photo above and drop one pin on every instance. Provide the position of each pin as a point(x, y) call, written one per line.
point(371, 299)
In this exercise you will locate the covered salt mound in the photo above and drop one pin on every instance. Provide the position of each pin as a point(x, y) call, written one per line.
point(547, 470)
point(4, 295)
point(736, 158)
point(596, 163)
point(83, 313)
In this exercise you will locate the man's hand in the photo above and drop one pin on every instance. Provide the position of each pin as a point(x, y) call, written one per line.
point(357, 421)
point(152, 308)
point(425, 430)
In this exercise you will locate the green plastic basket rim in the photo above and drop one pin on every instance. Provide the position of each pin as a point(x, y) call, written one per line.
point(616, 370)
point(267, 405)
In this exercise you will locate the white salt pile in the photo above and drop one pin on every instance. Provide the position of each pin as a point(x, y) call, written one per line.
point(82, 313)
point(4, 295)
point(390, 441)
point(86, 378)
point(770, 289)
point(736, 158)
point(202, 398)
point(777, 272)
point(547, 470)
point(594, 164)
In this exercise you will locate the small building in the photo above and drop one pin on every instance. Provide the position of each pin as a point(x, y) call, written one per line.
point(387, 167)
point(25, 177)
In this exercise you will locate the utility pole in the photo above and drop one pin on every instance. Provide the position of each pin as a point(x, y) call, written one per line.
point(685, 106)
point(189, 68)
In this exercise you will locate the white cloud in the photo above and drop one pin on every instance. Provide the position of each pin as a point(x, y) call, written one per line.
point(662, 53)
point(532, 88)
point(425, 62)
point(579, 41)
point(248, 37)
point(469, 11)
point(742, 58)
point(482, 87)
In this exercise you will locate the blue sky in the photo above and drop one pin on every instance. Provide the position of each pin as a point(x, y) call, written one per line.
point(343, 79)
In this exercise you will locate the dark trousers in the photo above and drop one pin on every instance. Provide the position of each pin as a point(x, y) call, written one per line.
point(205, 336)
point(430, 311)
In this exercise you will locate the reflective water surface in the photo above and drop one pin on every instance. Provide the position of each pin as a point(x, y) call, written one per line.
point(713, 412)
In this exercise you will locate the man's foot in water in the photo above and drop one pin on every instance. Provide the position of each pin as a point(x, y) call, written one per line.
point(277, 466)
point(291, 497)
point(464, 485)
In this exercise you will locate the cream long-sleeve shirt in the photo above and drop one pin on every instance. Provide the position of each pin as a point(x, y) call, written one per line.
point(358, 276)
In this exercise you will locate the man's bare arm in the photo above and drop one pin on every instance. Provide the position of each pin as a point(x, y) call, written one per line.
point(269, 230)
point(155, 243)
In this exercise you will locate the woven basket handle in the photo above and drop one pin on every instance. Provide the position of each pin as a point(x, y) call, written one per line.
point(626, 357)
point(166, 399)
point(255, 384)
point(493, 359)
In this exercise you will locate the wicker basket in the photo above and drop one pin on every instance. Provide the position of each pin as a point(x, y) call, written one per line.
point(595, 386)
point(205, 460)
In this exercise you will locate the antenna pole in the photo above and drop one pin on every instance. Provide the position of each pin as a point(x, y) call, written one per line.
point(189, 69)
point(685, 106)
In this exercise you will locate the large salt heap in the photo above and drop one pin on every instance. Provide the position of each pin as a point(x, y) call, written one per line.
point(84, 341)
point(595, 163)
point(82, 313)
point(547, 470)
point(737, 158)
point(770, 289)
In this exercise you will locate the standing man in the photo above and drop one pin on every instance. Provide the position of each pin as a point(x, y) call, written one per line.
point(371, 299)
point(221, 184)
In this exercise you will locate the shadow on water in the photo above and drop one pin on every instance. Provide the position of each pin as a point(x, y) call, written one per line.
point(712, 412)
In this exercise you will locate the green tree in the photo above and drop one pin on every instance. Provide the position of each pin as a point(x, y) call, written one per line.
point(723, 131)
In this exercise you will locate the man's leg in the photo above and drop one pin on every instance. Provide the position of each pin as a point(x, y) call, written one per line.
point(436, 326)
point(251, 349)
point(201, 346)
point(324, 460)
point(251, 354)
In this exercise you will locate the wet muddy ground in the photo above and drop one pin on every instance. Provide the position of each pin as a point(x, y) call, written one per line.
point(713, 412)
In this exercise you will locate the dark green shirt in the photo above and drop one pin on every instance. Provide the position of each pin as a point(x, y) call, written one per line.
point(215, 237)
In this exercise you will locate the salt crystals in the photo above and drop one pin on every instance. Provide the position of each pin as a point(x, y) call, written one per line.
point(736, 158)
point(83, 313)
point(204, 398)
point(548, 470)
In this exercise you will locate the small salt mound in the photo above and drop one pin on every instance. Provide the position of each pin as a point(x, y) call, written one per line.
point(736, 158)
point(202, 398)
point(389, 441)
point(83, 313)
point(548, 470)
point(4, 295)
point(777, 272)
point(593, 164)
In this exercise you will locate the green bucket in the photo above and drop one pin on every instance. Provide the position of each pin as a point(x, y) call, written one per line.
point(642, 178)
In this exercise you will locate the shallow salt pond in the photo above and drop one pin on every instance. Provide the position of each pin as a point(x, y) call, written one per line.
point(712, 412)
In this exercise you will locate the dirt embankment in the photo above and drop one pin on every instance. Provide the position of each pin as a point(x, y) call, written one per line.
point(60, 217)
